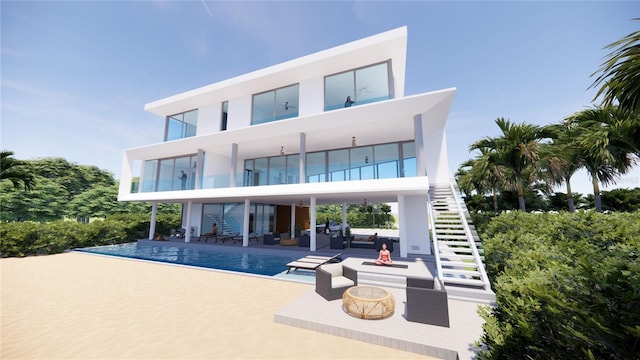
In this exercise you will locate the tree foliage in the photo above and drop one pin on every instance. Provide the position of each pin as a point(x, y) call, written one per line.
point(17, 172)
point(619, 75)
point(567, 286)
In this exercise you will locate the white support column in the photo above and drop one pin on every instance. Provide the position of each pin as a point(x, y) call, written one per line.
point(293, 220)
point(245, 223)
point(187, 230)
point(199, 167)
point(419, 141)
point(344, 217)
point(312, 228)
point(402, 222)
point(154, 215)
point(303, 158)
point(233, 168)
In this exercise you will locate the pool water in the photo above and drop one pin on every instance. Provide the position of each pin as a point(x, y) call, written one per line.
point(222, 259)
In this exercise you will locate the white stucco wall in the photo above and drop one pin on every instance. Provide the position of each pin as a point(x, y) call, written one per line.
point(239, 112)
point(415, 221)
point(209, 118)
point(311, 96)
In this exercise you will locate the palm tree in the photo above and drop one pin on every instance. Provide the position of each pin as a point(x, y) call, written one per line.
point(483, 176)
point(603, 144)
point(16, 171)
point(560, 159)
point(517, 150)
point(620, 74)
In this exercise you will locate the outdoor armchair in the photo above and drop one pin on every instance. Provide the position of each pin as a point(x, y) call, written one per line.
point(333, 279)
point(427, 301)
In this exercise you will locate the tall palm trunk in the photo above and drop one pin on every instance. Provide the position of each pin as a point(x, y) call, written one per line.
point(572, 207)
point(520, 196)
point(495, 201)
point(596, 192)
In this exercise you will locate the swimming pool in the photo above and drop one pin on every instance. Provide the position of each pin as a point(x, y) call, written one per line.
point(239, 260)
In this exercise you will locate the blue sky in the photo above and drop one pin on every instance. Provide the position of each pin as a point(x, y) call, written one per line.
point(76, 74)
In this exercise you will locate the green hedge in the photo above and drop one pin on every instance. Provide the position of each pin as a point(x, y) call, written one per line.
point(567, 286)
point(33, 238)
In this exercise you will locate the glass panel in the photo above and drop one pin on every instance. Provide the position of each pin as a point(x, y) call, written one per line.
point(387, 157)
point(262, 108)
point(339, 165)
point(316, 167)
point(260, 172)
point(287, 102)
point(149, 176)
point(336, 89)
point(233, 218)
point(409, 161)
point(211, 214)
point(362, 163)
point(225, 114)
point(293, 169)
point(278, 170)
point(372, 84)
point(248, 173)
point(174, 129)
point(182, 174)
point(191, 123)
point(165, 177)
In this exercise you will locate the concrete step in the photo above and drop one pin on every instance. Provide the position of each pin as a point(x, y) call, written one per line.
point(465, 273)
point(462, 264)
point(462, 281)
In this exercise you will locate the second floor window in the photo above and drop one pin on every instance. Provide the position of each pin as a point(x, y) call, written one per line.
point(180, 126)
point(357, 87)
point(275, 105)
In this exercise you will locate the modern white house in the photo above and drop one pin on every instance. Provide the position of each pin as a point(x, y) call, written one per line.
point(258, 152)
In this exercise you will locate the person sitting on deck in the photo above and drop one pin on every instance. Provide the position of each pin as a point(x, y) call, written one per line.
point(373, 237)
point(385, 256)
point(214, 231)
point(158, 237)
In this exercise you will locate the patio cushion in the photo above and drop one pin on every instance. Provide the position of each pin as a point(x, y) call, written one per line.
point(341, 281)
point(334, 269)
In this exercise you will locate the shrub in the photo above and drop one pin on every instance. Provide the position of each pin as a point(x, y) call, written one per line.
point(33, 238)
point(567, 286)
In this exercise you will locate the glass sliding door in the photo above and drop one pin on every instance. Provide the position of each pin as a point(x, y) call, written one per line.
point(338, 165)
point(362, 163)
point(387, 161)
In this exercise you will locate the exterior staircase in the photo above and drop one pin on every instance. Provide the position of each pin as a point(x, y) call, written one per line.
point(457, 246)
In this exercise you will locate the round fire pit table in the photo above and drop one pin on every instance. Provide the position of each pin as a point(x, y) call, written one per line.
point(368, 302)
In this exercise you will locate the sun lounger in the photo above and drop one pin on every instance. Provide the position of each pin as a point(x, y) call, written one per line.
point(312, 262)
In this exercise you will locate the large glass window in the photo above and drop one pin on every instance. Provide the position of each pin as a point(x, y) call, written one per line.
point(316, 167)
point(364, 85)
point(169, 174)
point(339, 165)
point(362, 163)
point(228, 217)
point(275, 170)
point(293, 169)
point(275, 105)
point(382, 161)
point(387, 161)
point(180, 126)
point(409, 161)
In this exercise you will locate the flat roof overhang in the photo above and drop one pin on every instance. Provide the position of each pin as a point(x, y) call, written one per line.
point(351, 192)
point(381, 122)
point(377, 48)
